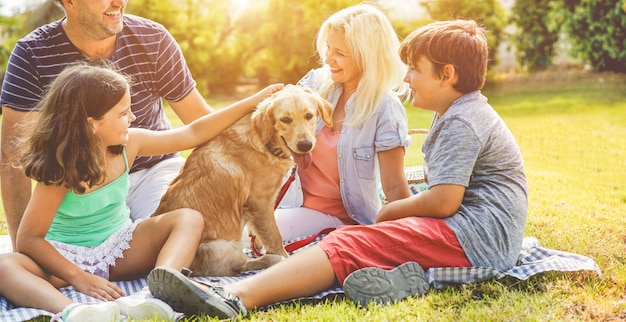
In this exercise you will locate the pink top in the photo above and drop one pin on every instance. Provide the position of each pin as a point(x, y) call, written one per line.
point(320, 181)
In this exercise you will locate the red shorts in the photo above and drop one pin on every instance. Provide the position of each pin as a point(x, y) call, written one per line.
point(428, 241)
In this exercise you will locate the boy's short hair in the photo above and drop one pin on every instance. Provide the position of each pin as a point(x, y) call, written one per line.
point(461, 43)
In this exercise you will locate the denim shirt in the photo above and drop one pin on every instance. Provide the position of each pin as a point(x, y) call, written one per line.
point(358, 147)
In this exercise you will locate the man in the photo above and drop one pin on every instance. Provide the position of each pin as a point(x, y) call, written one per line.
point(98, 30)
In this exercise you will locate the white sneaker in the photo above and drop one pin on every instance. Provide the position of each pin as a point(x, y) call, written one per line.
point(98, 312)
point(144, 307)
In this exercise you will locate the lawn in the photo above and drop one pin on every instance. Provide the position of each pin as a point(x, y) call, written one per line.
point(571, 127)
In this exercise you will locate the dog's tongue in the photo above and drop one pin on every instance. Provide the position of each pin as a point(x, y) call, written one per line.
point(302, 160)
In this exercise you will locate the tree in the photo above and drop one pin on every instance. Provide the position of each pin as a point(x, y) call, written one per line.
point(7, 24)
point(597, 31)
point(537, 32)
point(21, 23)
point(280, 36)
point(488, 13)
point(204, 30)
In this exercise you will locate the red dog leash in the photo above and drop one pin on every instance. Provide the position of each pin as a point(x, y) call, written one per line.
point(283, 189)
point(303, 242)
point(298, 243)
point(293, 246)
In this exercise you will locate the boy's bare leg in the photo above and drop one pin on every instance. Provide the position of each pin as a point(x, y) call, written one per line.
point(305, 273)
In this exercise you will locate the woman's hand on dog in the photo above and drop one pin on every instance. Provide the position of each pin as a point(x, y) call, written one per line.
point(265, 93)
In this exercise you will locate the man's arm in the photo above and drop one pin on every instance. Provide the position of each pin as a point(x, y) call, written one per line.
point(15, 186)
point(191, 107)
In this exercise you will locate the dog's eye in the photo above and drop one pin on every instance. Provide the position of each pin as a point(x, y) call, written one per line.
point(308, 116)
point(286, 120)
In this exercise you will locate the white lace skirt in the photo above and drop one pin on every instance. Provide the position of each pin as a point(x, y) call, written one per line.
point(97, 259)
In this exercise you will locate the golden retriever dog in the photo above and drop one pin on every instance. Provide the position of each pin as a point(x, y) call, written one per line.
point(233, 180)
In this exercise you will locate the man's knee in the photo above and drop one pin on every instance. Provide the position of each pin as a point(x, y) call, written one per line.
point(149, 185)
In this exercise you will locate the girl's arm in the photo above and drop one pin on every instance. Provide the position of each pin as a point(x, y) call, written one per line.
point(440, 201)
point(146, 142)
point(38, 216)
point(393, 180)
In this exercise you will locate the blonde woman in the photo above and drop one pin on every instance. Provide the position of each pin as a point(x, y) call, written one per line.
point(362, 78)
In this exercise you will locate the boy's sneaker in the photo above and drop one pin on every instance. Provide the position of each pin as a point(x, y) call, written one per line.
point(97, 312)
point(374, 284)
point(145, 307)
point(193, 298)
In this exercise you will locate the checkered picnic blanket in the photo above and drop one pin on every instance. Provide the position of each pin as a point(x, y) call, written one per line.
point(533, 260)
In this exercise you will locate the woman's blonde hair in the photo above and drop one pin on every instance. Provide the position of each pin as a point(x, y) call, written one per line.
point(374, 44)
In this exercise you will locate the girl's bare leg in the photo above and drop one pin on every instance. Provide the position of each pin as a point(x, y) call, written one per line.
point(24, 283)
point(306, 273)
point(170, 239)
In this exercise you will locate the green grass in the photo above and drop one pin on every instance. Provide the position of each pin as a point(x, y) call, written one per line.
point(571, 128)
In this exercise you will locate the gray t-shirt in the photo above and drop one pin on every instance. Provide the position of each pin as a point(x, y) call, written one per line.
point(469, 145)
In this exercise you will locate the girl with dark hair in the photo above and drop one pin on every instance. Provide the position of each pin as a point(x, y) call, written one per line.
point(76, 230)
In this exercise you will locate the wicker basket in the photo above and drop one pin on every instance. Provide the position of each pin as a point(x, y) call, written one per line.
point(414, 174)
point(415, 179)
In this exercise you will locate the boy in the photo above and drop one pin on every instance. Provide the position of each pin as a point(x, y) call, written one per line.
point(473, 214)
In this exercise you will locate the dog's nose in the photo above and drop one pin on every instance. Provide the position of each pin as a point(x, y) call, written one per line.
point(305, 146)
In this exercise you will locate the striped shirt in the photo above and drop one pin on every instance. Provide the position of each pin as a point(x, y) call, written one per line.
point(144, 50)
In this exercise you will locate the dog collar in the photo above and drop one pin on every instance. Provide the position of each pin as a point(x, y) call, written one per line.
point(275, 151)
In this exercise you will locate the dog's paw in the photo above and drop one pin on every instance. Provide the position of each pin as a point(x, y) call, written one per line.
point(262, 262)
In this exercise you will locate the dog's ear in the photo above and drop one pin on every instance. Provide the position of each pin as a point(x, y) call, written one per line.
point(262, 120)
point(324, 109)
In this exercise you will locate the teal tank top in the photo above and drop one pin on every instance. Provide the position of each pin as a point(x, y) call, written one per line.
point(89, 219)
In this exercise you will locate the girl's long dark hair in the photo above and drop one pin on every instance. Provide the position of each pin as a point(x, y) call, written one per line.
point(63, 148)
